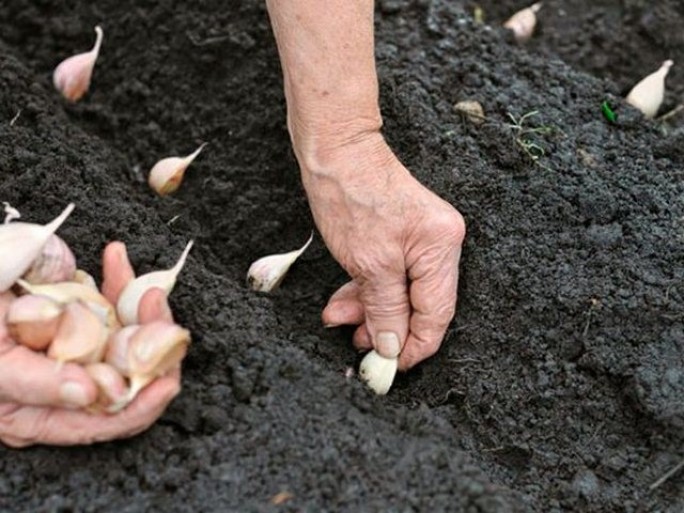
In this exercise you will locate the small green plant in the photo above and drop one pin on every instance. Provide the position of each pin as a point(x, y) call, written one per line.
point(526, 136)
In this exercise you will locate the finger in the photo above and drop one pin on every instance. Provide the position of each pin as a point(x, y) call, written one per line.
point(30, 378)
point(154, 307)
point(57, 426)
point(433, 298)
point(362, 339)
point(116, 270)
point(344, 307)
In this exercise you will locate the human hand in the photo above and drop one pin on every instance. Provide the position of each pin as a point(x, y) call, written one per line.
point(400, 243)
point(39, 404)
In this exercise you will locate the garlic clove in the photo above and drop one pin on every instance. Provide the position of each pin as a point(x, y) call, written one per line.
point(6, 299)
point(117, 349)
point(55, 263)
point(167, 174)
point(84, 278)
point(111, 387)
point(80, 338)
point(20, 245)
point(378, 372)
point(33, 321)
point(72, 76)
point(523, 22)
point(265, 274)
point(66, 292)
point(648, 94)
point(472, 110)
point(129, 300)
point(154, 350)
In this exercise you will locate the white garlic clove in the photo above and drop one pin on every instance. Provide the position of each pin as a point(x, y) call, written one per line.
point(33, 321)
point(72, 76)
point(265, 274)
point(378, 372)
point(84, 278)
point(154, 350)
point(6, 299)
point(129, 300)
point(66, 292)
point(80, 338)
point(11, 213)
point(111, 387)
point(117, 349)
point(20, 245)
point(523, 22)
point(167, 174)
point(648, 94)
point(55, 263)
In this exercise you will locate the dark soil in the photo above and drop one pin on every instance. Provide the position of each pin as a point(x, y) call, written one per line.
point(560, 386)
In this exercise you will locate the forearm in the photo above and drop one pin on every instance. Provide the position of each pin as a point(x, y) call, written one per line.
point(327, 55)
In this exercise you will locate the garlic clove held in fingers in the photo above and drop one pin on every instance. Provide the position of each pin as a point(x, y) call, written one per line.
point(112, 391)
point(117, 349)
point(648, 94)
point(80, 338)
point(33, 321)
point(523, 22)
point(378, 372)
point(154, 350)
point(55, 263)
point(72, 76)
point(20, 245)
point(129, 300)
point(84, 278)
point(268, 272)
point(167, 174)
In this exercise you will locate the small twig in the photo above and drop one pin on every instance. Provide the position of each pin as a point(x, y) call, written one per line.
point(679, 466)
point(205, 42)
point(672, 113)
point(14, 119)
point(173, 219)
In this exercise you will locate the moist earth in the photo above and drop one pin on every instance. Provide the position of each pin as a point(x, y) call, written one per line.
point(560, 384)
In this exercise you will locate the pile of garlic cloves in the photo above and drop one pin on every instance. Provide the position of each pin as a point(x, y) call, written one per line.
point(49, 305)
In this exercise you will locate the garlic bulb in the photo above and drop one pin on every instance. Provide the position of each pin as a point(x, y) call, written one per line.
point(268, 272)
point(33, 321)
point(66, 292)
point(167, 174)
point(154, 350)
point(81, 337)
point(378, 372)
point(129, 300)
point(55, 263)
point(112, 390)
point(72, 76)
point(649, 93)
point(522, 23)
point(117, 349)
point(20, 245)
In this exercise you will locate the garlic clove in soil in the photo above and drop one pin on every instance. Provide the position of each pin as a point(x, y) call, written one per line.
point(154, 350)
point(112, 390)
point(167, 174)
point(265, 274)
point(129, 300)
point(72, 76)
point(649, 93)
point(33, 321)
point(117, 349)
point(472, 110)
point(523, 22)
point(80, 338)
point(66, 292)
point(20, 245)
point(378, 372)
point(55, 263)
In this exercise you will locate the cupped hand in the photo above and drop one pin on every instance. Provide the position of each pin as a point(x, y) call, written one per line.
point(399, 242)
point(40, 404)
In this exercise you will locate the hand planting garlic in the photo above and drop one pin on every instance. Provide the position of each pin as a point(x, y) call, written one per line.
point(167, 174)
point(378, 372)
point(648, 94)
point(268, 272)
point(72, 76)
point(523, 22)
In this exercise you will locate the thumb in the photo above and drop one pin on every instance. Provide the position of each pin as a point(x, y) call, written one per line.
point(386, 303)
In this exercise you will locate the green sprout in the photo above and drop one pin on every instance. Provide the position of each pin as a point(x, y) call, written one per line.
point(525, 135)
point(608, 112)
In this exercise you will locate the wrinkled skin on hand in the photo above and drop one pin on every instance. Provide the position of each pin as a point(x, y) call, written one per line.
point(400, 243)
point(40, 404)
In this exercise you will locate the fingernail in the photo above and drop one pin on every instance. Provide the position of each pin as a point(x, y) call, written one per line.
point(73, 394)
point(387, 344)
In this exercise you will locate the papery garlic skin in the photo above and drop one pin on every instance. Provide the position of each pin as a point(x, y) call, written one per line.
point(648, 94)
point(266, 274)
point(81, 337)
point(20, 245)
point(33, 321)
point(523, 22)
point(167, 174)
point(72, 76)
point(55, 263)
point(112, 389)
point(129, 299)
point(378, 372)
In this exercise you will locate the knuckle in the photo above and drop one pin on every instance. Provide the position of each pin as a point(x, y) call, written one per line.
point(451, 225)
